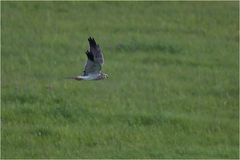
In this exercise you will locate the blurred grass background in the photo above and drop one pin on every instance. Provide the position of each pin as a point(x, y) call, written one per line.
point(172, 93)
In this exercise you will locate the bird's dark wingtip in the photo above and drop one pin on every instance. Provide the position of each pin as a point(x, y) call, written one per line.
point(92, 40)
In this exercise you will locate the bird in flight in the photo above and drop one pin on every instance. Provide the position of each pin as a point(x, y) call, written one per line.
point(93, 66)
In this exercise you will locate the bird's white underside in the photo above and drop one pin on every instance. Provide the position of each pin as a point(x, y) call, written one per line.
point(89, 77)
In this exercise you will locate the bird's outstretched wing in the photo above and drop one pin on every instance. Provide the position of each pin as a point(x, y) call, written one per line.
point(91, 66)
point(96, 51)
point(95, 58)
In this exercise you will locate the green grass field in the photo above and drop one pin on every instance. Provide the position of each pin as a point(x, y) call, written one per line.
point(172, 92)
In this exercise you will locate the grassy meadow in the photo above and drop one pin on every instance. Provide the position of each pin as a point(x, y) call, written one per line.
point(172, 90)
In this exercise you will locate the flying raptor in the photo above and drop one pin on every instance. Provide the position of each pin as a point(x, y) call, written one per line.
point(93, 66)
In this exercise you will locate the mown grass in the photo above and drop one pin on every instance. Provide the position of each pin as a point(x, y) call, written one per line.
point(173, 88)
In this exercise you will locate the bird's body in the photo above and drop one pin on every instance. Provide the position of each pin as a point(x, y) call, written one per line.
point(91, 76)
point(88, 77)
point(93, 66)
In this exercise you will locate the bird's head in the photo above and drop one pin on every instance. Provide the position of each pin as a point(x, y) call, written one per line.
point(105, 75)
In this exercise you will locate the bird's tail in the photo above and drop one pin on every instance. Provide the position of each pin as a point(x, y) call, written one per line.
point(74, 78)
